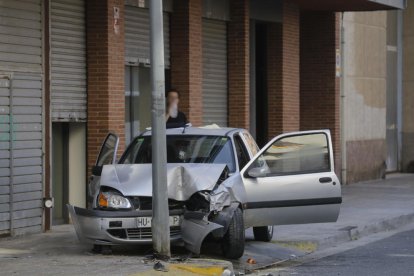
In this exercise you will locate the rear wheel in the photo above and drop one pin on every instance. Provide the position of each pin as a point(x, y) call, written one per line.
point(233, 240)
point(263, 233)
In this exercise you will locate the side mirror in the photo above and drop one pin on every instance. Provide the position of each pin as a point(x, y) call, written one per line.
point(256, 172)
point(97, 170)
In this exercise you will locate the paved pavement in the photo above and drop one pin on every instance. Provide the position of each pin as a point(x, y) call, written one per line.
point(368, 208)
point(390, 256)
point(59, 252)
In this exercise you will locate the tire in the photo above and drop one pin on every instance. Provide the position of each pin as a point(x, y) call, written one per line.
point(263, 233)
point(233, 241)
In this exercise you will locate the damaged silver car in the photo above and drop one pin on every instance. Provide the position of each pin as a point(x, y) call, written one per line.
point(219, 184)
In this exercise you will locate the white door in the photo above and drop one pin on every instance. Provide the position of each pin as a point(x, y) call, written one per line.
point(292, 181)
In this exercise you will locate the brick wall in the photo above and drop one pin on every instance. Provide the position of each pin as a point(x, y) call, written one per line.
point(105, 53)
point(283, 72)
point(186, 57)
point(238, 64)
point(319, 87)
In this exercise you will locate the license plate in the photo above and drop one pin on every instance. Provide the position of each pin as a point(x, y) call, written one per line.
point(144, 222)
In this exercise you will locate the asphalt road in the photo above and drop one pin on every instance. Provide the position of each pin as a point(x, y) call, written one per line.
point(390, 256)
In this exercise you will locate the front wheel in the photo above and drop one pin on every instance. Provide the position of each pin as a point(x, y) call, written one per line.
point(263, 233)
point(233, 240)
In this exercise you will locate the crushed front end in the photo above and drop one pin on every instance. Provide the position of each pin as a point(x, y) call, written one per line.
point(109, 227)
point(206, 211)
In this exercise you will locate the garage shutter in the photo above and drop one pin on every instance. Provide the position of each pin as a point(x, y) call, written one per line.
point(4, 155)
point(215, 72)
point(20, 117)
point(68, 69)
point(137, 36)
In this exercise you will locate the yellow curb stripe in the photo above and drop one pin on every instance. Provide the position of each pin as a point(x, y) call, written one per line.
point(200, 270)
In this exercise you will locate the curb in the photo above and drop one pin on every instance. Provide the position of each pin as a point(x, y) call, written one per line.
point(204, 267)
point(352, 233)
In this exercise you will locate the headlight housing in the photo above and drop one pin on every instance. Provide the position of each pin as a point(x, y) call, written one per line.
point(199, 201)
point(113, 200)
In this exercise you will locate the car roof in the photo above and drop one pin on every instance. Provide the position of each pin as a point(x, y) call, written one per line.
point(207, 130)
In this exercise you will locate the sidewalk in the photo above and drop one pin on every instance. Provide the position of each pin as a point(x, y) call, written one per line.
point(368, 207)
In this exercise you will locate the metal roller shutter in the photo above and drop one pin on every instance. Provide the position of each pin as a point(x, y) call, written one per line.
point(20, 117)
point(215, 72)
point(68, 60)
point(4, 154)
point(137, 36)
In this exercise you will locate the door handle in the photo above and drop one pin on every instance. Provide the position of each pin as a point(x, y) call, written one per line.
point(325, 180)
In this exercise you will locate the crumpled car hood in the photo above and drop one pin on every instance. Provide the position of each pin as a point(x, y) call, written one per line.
point(183, 179)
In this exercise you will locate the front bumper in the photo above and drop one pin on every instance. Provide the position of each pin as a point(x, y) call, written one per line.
point(116, 227)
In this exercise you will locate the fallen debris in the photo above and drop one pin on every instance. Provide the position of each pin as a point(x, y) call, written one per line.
point(158, 266)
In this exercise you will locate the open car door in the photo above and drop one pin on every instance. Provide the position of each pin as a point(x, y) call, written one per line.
point(106, 156)
point(292, 181)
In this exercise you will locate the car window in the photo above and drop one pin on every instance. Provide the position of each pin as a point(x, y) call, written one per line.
point(241, 152)
point(132, 151)
point(295, 155)
point(184, 149)
point(251, 143)
point(106, 155)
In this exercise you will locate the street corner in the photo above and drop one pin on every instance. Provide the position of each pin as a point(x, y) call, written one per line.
point(205, 267)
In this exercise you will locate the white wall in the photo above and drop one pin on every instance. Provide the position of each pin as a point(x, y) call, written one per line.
point(365, 75)
point(77, 164)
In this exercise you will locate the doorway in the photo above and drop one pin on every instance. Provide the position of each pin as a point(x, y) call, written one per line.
point(68, 168)
point(60, 183)
point(258, 82)
point(138, 99)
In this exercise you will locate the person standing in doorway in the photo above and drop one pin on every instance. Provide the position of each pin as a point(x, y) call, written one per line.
point(174, 117)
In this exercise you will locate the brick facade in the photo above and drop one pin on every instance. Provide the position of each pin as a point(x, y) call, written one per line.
point(283, 72)
point(106, 95)
point(186, 57)
point(319, 87)
point(303, 92)
point(238, 64)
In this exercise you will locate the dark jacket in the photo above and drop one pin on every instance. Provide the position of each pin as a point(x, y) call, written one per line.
point(179, 121)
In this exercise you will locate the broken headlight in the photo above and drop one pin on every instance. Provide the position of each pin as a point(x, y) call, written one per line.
point(113, 200)
point(199, 201)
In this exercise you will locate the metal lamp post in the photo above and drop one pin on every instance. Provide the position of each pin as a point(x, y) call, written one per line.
point(160, 215)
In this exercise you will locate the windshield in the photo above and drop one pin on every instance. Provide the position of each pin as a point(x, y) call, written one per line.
point(184, 149)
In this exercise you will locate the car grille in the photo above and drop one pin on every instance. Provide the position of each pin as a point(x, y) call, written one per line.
point(140, 233)
point(145, 203)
